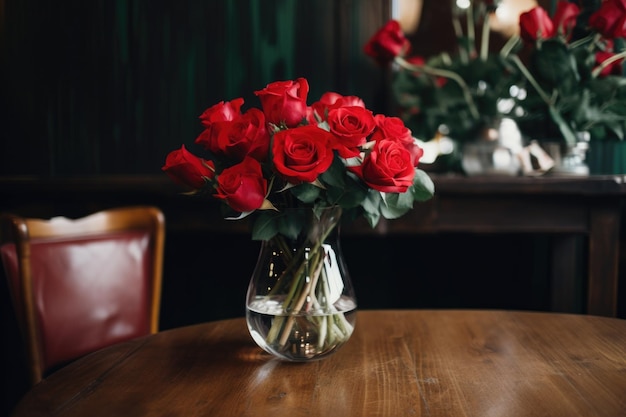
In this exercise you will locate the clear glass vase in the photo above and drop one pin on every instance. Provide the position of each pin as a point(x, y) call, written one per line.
point(300, 304)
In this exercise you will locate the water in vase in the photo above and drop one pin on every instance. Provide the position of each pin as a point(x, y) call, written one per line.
point(302, 336)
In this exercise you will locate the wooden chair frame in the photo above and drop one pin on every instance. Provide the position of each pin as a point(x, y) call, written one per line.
point(21, 231)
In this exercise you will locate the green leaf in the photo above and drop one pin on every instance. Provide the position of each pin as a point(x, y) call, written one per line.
point(348, 196)
point(555, 66)
point(372, 218)
point(371, 205)
point(396, 205)
point(334, 175)
point(305, 192)
point(291, 222)
point(399, 200)
point(265, 226)
point(270, 223)
point(423, 187)
point(564, 127)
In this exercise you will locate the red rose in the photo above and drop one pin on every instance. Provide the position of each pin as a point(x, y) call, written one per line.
point(390, 127)
point(301, 154)
point(347, 101)
point(214, 119)
point(351, 125)
point(615, 68)
point(242, 186)
point(187, 169)
point(564, 19)
point(388, 168)
point(388, 43)
point(318, 111)
point(393, 128)
point(284, 102)
point(330, 100)
point(610, 19)
point(245, 136)
point(221, 112)
point(535, 24)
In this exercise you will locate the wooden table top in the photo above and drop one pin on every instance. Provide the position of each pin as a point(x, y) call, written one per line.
point(398, 363)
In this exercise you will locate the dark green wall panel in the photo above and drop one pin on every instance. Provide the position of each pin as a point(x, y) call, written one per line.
point(111, 86)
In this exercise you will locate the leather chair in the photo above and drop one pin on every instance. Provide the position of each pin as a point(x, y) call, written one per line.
point(78, 285)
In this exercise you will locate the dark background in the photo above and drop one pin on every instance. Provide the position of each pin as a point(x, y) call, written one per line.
point(111, 86)
point(102, 90)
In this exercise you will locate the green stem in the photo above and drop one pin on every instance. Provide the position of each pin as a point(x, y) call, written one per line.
point(582, 41)
point(484, 40)
point(532, 80)
point(564, 127)
point(445, 74)
point(596, 72)
point(458, 31)
point(309, 286)
point(509, 45)
point(292, 261)
point(471, 34)
point(307, 269)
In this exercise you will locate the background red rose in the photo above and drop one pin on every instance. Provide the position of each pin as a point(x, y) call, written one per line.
point(242, 186)
point(187, 169)
point(610, 19)
point(388, 43)
point(535, 24)
point(565, 16)
point(302, 153)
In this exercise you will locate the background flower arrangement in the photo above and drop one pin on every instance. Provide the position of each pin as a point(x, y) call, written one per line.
point(562, 75)
point(461, 90)
point(574, 76)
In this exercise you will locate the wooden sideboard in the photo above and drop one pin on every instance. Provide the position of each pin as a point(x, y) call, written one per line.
point(564, 207)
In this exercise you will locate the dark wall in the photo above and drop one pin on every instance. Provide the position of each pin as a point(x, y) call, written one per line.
point(111, 86)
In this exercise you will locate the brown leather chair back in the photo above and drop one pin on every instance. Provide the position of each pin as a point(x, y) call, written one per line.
point(80, 285)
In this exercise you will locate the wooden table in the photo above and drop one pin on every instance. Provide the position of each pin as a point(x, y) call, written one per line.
point(397, 363)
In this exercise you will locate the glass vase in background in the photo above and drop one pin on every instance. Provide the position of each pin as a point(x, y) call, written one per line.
point(300, 304)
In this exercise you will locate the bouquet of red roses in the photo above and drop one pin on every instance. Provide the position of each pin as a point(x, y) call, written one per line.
point(288, 154)
point(300, 169)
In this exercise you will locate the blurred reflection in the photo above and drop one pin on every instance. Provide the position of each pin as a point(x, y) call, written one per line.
point(417, 15)
point(506, 18)
point(408, 13)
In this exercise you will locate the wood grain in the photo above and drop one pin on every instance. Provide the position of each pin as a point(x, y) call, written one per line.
point(398, 363)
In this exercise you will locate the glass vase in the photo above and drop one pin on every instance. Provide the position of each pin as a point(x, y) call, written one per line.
point(300, 304)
